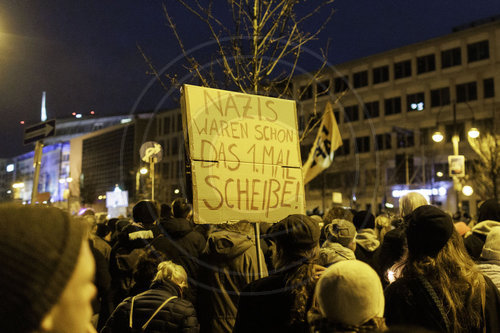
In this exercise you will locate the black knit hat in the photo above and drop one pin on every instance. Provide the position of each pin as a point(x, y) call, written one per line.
point(39, 248)
point(364, 220)
point(295, 231)
point(429, 229)
point(145, 212)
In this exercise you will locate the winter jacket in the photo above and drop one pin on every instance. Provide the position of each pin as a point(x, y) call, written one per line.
point(265, 306)
point(332, 252)
point(133, 236)
point(366, 244)
point(229, 264)
point(474, 243)
point(490, 268)
point(178, 315)
point(406, 304)
point(181, 244)
point(102, 246)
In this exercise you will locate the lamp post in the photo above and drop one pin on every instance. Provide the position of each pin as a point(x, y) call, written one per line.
point(141, 171)
point(455, 139)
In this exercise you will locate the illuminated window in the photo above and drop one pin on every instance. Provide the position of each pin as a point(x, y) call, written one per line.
point(415, 102)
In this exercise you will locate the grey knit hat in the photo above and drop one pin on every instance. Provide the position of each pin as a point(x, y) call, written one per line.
point(39, 248)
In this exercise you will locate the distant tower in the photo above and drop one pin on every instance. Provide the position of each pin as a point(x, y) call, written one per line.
point(44, 111)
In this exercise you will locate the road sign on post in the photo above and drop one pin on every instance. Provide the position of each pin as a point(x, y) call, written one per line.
point(152, 153)
point(39, 131)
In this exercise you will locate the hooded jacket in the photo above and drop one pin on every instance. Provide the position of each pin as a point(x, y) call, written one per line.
point(332, 252)
point(178, 315)
point(474, 242)
point(229, 264)
point(366, 244)
point(181, 244)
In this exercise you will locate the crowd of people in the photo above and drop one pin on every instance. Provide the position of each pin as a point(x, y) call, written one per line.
point(156, 271)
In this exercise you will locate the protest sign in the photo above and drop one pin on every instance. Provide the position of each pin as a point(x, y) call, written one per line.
point(244, 154)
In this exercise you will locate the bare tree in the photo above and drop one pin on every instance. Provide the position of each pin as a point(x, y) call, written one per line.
point(258, 50)
point(486, 170)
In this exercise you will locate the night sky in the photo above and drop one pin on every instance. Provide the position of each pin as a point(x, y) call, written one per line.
point(84, 53)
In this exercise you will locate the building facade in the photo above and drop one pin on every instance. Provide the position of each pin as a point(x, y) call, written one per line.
point(391, 105)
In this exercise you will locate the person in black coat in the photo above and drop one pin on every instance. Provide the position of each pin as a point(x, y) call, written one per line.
point(180, 242)
point(438, 286)
point(279, 302)
point(159, 309)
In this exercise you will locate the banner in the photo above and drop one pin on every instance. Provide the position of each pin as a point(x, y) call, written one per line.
point(244, 154)
point(327, 141)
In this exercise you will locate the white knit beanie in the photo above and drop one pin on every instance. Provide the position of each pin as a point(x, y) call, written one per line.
point(491, 248)
point(350, 293)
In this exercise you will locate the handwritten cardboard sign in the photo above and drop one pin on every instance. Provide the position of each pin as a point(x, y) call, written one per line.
point(244, 154)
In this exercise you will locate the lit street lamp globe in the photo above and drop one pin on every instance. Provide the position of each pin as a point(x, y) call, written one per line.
point(143, 171)
point(467, 190)
point(473, 133)
point(437, 136)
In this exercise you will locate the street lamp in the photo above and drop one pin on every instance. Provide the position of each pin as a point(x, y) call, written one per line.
point(467, 190)
point(142, 171)
point(437, 136)
point(474, 133)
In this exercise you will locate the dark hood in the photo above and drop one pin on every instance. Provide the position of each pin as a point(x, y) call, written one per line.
point(489, 210)
point(226, 245)
point(176, 227)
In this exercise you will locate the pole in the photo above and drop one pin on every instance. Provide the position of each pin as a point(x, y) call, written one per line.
point(37, 160)
point(455, 140)
point(323, 191)
point(152, 169)
point(257, 248)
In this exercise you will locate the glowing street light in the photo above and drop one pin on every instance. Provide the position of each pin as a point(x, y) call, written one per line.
point(18, 185)
point(467, 190)
point(473, 133)
point(143, 171)
point(437, 136)
point(439, 174)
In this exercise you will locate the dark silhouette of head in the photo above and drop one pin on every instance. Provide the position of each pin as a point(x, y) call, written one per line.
point(181, 208)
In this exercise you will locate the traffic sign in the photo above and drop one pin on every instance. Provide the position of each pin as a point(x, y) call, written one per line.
point(39, 131)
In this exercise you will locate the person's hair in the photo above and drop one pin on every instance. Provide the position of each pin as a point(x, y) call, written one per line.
point(382, 226)
point(112, 224)
point(168, 271)
point(165, 211)
point(181, 208)
point(147, 266)
point(299, 264)
point(337, 213)
point(455, 279)
point(102, 230)
point(410, 201)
